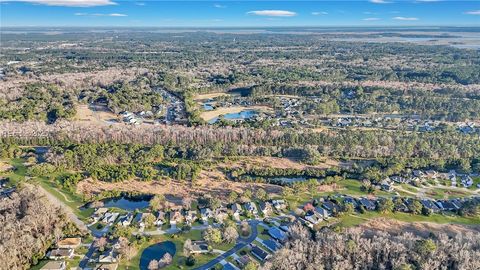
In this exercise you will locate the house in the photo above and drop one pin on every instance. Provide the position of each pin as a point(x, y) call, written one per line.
point(190, 216)
point(126, 220)
point(55, 265)
point(236, 209)
point(206, 213)
point(199, 247)
point(367, 204)
point(60, 253)
point(279, 204)
point(270, 245)
point(159, 218)
point(229, 266)
point(261, 254)
point(251, 207)
point(313, 218)
point(109, 218)
point(175, 216)
point(467, 181)
point(109, 256)
point(399, 179)
point(322, 212)
point(351, 200)
point(430, 205)
point(106, 266)
point(266, 208)
point(277, 234)
point(98, 214)
point(432, 174)
point(446, 205)
point(220, 214)
point(308, 208)
point(242, 261)
point(418, 173)
point(71, 242)
point(331, 207)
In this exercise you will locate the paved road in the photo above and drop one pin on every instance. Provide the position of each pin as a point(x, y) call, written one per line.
point(68, 211)
point(240, 244)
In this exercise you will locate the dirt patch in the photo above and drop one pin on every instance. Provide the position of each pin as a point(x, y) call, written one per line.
point(97, 114)
point(209, 96)
point(209, 115)
point(417, 228)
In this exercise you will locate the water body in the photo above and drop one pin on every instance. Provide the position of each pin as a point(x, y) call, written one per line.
point(208, 107)
point(287, 180)
point(246, 114)
point(156, 252)
point(128, 203)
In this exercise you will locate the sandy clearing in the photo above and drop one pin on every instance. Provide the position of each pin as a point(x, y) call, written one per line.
point(96, 114)
point(209, 115)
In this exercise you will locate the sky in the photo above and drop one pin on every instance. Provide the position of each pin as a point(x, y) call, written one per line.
point(251, 13)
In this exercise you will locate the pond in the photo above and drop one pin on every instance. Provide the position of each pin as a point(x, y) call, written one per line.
point(128, 203)
point(156, 252)
point(208, 107)
point(246, 114)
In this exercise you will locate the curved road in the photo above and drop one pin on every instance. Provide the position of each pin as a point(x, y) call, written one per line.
point(241, 243)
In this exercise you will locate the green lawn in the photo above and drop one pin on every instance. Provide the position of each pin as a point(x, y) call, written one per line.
point(179, 258)
point(18, 174)
point(71, 200)
point(262, 233)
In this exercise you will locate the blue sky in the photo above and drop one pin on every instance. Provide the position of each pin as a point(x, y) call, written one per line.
point(238, 13)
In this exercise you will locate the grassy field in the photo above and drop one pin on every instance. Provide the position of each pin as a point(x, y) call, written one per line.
point(18, 173)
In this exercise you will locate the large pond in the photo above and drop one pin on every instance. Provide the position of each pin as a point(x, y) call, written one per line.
point(156, 252)
point(246, 114)
point(128, 203)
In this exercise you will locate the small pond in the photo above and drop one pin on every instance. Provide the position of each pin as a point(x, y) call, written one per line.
point(208, 107)
point(246, 114)
point(156, 252)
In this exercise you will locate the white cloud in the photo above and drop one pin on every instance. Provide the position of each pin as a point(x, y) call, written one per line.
point(68, 3)
point(380, 2)
point(273, 13)
point(101, 14)
point(371, 19)
point(473, 12)
point(317, 13)
point(219, 6)
point(405, 18)
point(140, 4)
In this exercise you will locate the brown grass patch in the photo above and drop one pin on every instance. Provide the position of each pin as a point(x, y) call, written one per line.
point(4, 166)
point(417, 228)
point(97, 114)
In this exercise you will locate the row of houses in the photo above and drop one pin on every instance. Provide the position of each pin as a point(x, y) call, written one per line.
point(317, 211)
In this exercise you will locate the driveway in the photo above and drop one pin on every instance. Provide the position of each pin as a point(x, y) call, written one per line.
point(241, 243)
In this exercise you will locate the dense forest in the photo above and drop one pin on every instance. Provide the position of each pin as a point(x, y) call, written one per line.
point(355, 250)
point(29, 225)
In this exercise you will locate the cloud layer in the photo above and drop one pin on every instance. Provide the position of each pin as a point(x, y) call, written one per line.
point(405, 18)
point(69, 3)
point(473, 12)
point(273, 13)
point(101, 14)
